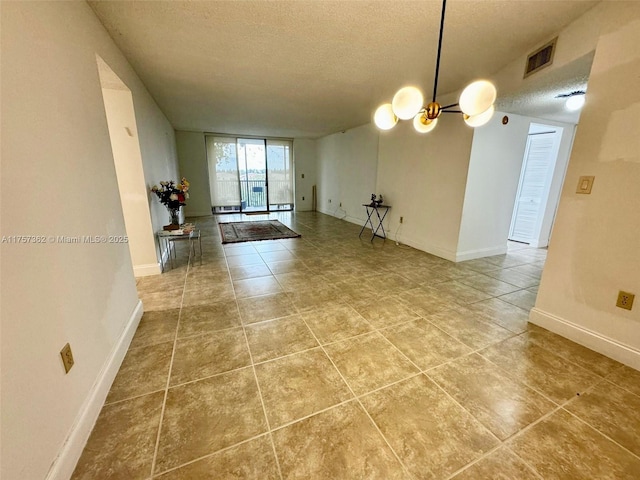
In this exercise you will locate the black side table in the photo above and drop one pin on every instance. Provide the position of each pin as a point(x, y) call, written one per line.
point(374, 229)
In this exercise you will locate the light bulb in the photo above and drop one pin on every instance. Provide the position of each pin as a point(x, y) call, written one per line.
point(384, 117)
point(574, 103)
point(423, 124)
point(477, 97)
point(407, 102)
point(481, 118)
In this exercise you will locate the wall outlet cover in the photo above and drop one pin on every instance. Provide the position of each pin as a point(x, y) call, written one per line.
point(585, 183)
point(625, 300)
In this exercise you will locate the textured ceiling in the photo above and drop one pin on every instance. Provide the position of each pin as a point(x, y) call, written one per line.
point(309, 68)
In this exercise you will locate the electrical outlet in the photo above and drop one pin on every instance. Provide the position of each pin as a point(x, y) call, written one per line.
point(329, 200)
point(340, 204)
point(401, 219)
point(625, 300)
point(303, 199)
point(67, 357)
point(303, 175)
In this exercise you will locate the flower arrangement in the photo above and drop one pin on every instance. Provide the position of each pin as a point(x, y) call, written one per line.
point(171, 194)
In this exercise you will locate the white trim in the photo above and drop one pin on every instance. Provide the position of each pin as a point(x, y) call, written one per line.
point(147, 270)
point(480, 253)
point(590, 339)
point(68, 456)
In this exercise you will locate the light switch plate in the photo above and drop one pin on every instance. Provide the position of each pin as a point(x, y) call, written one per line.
point(585, 184)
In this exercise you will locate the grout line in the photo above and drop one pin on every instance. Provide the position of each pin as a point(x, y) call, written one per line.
point(404, 467)
point(255, 376)
point(166, 389)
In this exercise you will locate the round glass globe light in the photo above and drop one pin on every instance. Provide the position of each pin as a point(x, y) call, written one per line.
point(480, 119)
point(421, 127)
point(477, 97)
point(407, 102)
point(574, 103)
point(384, 117)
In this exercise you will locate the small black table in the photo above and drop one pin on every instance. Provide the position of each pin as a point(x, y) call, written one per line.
point(374, 229)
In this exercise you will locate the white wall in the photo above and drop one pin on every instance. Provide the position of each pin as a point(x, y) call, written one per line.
point(347, 165)
point(494, 171)
point(192, 156)
point(130, 176)
point(594, 249)
point(305, 153)
point(58, 178)
point(423, 178)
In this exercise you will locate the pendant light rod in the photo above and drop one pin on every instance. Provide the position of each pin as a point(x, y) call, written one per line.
point(435, 82)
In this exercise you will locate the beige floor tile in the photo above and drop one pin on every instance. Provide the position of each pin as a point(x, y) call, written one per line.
point(469, 327)
point(299, 385)
point(241, 260)
point(426, 345)
point(515, 278)
point(336, 322)
point(251, 460)
point(156, 327)
point(573, 352)
point(209, 354)
point(384, 312)
point(369, 362)
point(455, 292)
point(451, 270)
point(287, 266)
point(423, 301)
point(253, 287)
point(317, 297)
point(271, 246)
point(164, 300)
point(275, 338)
point(627, 378)
point(208, 318)
point(300, 280)
point(562, 447)
point(487, 284)
point(612, 411)
point(249, 271)
point(501, 404)
point(421, 275)
point(431, 434)
point(555, 377)
point(480, 265)
point(340, 443)
point(500, 465)
point(235, 249)
point(203, 417)
point(207, 294)
point(277, 256)
point(267, 307)
point(123, 440)
point(143, 370)
point(522, 298)
point(506, 315)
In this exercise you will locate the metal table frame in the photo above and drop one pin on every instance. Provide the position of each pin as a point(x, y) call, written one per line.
point(167, 238)
point(374, 229)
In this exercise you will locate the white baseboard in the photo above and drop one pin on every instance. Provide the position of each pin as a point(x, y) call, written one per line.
point(147, 270)
point(480, 253)
point(63, 466)
point(588, 338)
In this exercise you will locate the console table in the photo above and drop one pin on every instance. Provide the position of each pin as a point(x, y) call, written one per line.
point(371, 209)
point(166, 238)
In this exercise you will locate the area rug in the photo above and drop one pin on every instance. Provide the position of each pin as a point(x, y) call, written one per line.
point(235, 232)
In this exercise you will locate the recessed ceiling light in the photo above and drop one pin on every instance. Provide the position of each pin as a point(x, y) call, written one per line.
point(574, 103)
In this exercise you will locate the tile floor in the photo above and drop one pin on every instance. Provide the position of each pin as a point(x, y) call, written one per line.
point(328, 357)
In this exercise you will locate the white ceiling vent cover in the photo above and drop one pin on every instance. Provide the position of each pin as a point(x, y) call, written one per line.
point(541, 58)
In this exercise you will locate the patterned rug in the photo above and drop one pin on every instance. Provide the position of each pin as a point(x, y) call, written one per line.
point(234, 232)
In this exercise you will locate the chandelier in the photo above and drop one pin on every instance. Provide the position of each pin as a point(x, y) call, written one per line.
point(475, 102)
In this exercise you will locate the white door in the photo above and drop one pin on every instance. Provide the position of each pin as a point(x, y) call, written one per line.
point(537, 170)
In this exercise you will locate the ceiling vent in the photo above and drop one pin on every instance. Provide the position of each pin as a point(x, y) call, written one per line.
point(541, 58)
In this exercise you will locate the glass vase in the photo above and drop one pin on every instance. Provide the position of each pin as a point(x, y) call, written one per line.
point(174, 217)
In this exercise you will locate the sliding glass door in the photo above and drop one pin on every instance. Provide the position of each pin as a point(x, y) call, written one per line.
point(249, 174)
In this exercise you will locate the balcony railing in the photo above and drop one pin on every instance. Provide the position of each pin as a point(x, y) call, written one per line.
point(253, 193)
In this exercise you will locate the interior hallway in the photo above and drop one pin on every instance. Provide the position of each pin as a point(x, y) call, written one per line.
point(330, 357)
